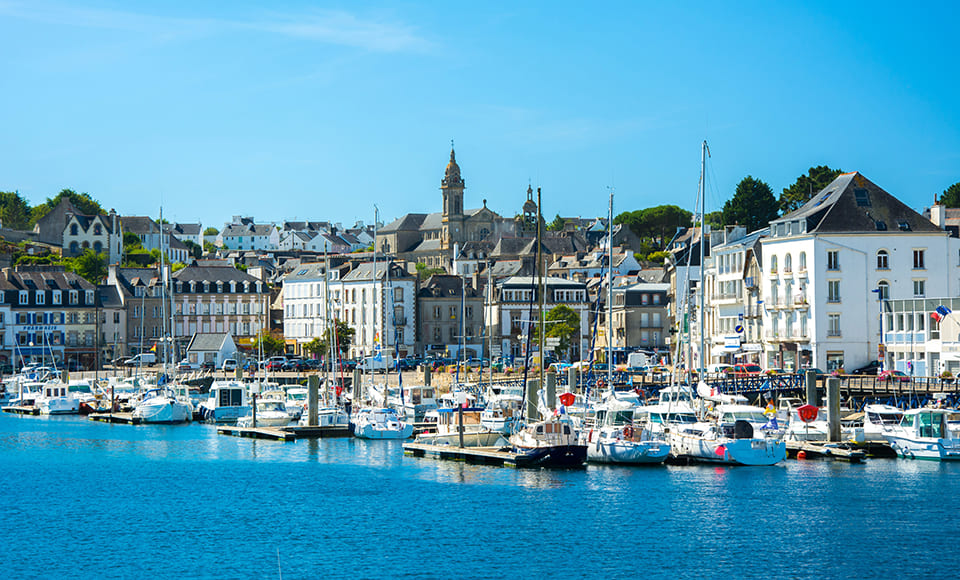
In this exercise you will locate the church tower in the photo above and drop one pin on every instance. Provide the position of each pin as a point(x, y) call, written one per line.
point(529, 223)
point(452, 187)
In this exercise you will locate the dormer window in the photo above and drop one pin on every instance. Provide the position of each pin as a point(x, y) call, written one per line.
point(74, 297)
point(89, 297)
point(57, 297)
point(24, 297)
point(41, 297)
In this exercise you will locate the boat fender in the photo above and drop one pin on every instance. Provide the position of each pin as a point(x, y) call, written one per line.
point(801, 454)
point(590, 435)
point(628, 432)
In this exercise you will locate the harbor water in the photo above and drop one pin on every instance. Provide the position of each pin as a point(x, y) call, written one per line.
point(94, 500)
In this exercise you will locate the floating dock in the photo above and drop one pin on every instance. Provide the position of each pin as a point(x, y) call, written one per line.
point(318, 431)
point(482, 455)
point(122, 418)
point(824, 450)
point(271, 433)
point(17, 410)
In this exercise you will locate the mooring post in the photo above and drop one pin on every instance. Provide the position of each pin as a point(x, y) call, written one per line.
point(313, 385)
point(833, 408)
point(811, 384)
point(533, 415)
point(551, 380)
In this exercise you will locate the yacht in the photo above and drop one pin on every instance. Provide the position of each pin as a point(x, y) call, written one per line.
point(271, 412)
point(475, 434)
point(878, 418)
point(502, 409)
point(160, 405)
point(380, 423)
point(924, 434)
point(616, 439)
point(55, 398)
point(550, 443)
point(327, 416)
point(226, 402)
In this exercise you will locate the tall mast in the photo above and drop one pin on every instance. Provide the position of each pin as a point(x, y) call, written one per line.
point(376, 216)
point(610, 293)
point(703, 240)
point(540, 293)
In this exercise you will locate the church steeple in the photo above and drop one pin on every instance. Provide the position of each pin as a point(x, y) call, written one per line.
point(452, 187)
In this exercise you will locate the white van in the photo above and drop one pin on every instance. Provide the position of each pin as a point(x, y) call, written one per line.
point(637, 360)
point(371, 364)
point(143, 359)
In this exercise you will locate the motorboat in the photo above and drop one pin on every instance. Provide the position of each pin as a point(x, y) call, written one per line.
point(160, 405)
point(879, 418)
point(226, 402)
point(271, 412)
point(617, 440)
point(549, 443)
point(452, 421)
point(502, 409)
point(296, 401)
point(380, 423)
point(925, 434)
point(55, 398)
point(327, 416)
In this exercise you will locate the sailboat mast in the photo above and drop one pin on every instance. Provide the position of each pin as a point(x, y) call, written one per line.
point(701, 314)
point(610, 293)
point(540, 292)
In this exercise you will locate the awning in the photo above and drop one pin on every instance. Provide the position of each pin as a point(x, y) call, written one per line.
point(721, 349)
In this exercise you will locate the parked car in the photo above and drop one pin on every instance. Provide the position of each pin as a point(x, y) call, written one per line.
point(869, 369)
point(207, 365)
point(229, 365)
point(295, 364)
point(820, 373)
point(746, 369)
point(312, 363)
point(895, 376)
point(186, 365)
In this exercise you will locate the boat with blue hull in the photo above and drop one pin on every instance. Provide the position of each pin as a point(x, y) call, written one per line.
point(550, 443)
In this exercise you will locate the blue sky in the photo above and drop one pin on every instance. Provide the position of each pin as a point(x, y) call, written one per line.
point(313, 110)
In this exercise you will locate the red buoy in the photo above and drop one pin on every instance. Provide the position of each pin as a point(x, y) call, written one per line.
point(801, 454)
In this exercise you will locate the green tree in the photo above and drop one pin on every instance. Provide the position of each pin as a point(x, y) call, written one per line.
point(195, 250)
point(14, 211)
point(269, 344)
point(131, 241)
point(209, 248)
point(90, 266)
point(344, 337)
point(557, 224)
point(950, 197)
point(805, 187)
point(562, 322)
point(656, 224)
point(425, 271)
point(753, 205)
point(314, 347)
point(658, 257)
point(714, 219)
point(85, 204)
point(211, 231)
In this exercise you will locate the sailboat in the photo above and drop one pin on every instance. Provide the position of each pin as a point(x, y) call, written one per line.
point(616, 438)
point(552, 441)
point(713, 440)
point(160, 404)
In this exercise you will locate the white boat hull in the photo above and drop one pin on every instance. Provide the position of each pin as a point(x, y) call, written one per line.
point(59, 406)
point(162, 410)
point(470, 439)
point(925, 448)
point(627, 452)
point(265, 419)
point(371, 431)
point(753, 451)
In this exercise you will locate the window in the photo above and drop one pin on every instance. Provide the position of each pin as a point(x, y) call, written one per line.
point(884, 288)
point(773, 264)
point(918, 260)
point(833, 260)
point(57, 297)
point(73, 229)
point(453, 312)
point(398, 294)
point(833, 325)
point(803, 261)
point(74, 296)
point(436, 313)
point(833, 290)
point(89, 297)
point(919, 288)
point(97, 230)
point(41, 297)
point(788, 263)
point(883, 260)
point(24, 297)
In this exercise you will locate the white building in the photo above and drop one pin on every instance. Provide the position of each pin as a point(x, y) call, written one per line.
point(100, 233)
point(373, 306)
point(828, 265)
point(243, 234)
point(509, 313)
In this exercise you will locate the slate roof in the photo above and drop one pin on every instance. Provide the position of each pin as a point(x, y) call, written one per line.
point(110, 297)
point(45, 278)
point(851, 203)
point(446, 286)
point(207, 342)
point(139, 225)
point(203, 270)
point(364, 271)
point(233, 231)
point(409, 222)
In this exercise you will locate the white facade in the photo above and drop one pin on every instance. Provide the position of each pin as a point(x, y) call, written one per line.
point(819, 291)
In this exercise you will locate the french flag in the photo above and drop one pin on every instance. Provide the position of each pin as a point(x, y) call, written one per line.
point(940, 313)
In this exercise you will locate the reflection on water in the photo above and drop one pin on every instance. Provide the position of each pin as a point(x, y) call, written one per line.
point(188, 501)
